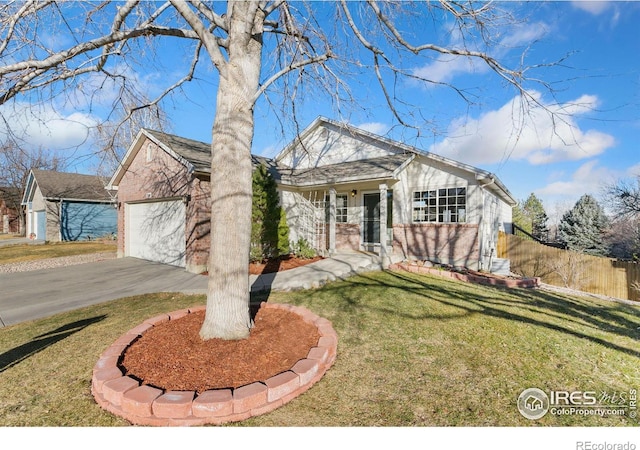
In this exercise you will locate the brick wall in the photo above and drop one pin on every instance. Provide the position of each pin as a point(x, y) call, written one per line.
point(455, 244)
point(198, 227)
point(347, 236)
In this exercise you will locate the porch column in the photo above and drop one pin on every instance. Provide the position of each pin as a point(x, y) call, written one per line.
point(332, 221)
point(384, 258)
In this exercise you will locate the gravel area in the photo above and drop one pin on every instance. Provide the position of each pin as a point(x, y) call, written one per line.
point(52, 263)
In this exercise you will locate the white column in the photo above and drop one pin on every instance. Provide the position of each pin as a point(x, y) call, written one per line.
point(332, 221)
point(383, 225)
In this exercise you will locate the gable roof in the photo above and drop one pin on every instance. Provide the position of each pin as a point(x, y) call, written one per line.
point(382, 168)
point(485, 178)
point(196, 156)
point(197, 153)
point(62, 185)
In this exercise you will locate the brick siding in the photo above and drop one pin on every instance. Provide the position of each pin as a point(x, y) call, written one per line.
point(455, 244)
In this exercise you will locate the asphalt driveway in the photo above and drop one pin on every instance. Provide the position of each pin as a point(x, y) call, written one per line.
point(41, 293)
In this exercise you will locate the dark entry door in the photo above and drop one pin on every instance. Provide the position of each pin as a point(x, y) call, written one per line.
point(371, 218)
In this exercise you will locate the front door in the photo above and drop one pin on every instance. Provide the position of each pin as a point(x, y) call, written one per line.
point(371, 218)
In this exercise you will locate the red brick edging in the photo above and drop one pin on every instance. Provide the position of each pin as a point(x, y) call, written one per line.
point(470, 278)
point(145, 405)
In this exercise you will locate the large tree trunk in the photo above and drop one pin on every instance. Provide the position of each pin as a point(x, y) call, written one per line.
point(227, 312)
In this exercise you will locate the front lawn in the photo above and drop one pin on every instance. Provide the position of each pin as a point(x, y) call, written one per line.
point(30, 252)
point(413, 351)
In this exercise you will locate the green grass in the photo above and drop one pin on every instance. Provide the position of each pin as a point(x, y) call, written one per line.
point(413, 351)
point(30, 252)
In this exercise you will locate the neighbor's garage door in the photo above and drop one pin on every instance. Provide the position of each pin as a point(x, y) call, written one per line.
point(155, 231)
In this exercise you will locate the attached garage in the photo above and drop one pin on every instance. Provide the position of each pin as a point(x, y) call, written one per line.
point(156, 231)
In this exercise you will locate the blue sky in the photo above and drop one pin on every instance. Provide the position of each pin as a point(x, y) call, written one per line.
point(595, 138)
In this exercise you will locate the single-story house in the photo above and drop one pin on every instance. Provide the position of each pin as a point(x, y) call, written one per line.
point(9, 210)
point(63, 206)
point(342, 188)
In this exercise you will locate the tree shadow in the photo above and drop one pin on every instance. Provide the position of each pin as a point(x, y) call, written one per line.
point(554, 312)
point(18, 354)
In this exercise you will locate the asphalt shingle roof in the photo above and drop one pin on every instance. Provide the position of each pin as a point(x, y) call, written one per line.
point(361, 170)
point(71, 185)
point(196, 152)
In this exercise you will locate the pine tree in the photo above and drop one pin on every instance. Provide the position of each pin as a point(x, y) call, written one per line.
point(269, 229)
point(520, 219)
point(530, 216)
point(583, 227)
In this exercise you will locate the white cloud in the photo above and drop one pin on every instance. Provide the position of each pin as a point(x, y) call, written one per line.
point(592, 7)
point(374, 127)
point(525, 34)
point(589, 178)
point(46, 127)
point(446, 67)
point(538, 133)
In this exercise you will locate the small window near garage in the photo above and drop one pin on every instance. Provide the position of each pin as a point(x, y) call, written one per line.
point(446, 205)
point(149, 153)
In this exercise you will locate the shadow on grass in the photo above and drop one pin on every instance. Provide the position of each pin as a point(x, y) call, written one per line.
point(18, 354)
point(554, 312)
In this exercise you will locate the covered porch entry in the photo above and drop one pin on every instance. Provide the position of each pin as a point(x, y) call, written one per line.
point(342, 218)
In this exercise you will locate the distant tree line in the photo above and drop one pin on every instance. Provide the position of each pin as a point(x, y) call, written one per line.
point(586, 227)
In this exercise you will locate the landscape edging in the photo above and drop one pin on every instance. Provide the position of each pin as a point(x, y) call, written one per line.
point(139, 404)
point(533, 282)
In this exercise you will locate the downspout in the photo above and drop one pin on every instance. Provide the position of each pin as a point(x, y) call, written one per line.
point(481, 225)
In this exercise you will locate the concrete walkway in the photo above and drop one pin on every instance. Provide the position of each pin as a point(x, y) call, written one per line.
point(42, 293)
point(316, 274)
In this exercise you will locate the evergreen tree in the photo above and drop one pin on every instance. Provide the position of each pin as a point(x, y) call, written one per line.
point(583, 227)
point(269, 229)
point(520, 219)
point(534, 211)
point(530, 216)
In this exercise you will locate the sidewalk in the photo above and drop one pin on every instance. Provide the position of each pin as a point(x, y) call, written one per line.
point(337, 267)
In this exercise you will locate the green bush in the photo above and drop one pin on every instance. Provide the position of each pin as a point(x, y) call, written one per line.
point(302, 249)
point(269, 229)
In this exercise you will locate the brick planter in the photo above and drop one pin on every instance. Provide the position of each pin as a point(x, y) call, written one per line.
point(469, 278)
point(146, 405)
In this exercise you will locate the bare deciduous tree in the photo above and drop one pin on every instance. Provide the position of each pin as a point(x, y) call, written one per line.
point(278, 49)
point(16, 161)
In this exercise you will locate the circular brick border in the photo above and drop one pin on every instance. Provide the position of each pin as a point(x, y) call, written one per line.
point(140, 404)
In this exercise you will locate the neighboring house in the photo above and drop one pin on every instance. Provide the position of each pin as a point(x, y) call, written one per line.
point(331, 179)
point(68, 206)
point(9, 210)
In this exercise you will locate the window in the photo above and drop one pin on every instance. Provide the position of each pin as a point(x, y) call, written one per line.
point(341, 208)
point(440, 205)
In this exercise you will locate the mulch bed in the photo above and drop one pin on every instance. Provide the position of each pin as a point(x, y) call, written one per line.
point(172, 356)
point(280, 264)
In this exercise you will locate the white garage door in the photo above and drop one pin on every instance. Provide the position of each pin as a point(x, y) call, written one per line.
point(155, 231)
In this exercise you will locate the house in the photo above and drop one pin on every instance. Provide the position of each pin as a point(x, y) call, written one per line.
point(67, 206)
point(10, 210)
point(343, 189)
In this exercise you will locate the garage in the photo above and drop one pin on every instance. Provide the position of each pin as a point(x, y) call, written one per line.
point(156, 231)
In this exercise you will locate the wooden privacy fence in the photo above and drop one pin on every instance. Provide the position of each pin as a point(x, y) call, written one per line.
point(565, 268)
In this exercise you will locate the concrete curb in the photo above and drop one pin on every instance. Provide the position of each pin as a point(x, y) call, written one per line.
point(139, 404)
